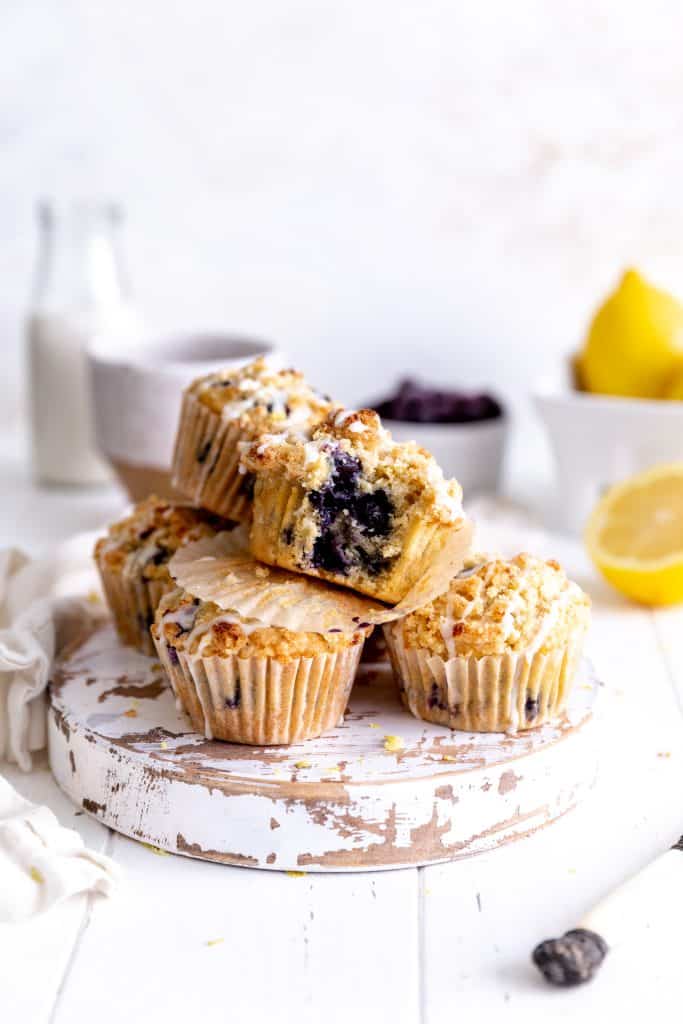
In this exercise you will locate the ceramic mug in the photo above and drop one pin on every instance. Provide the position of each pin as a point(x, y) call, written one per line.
point(137, 391)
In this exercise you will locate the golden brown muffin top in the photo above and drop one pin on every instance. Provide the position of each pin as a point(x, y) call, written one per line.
point(202, 628)
point(261, 399)
point(498, 607)
point(407, 471)
point(143, 542)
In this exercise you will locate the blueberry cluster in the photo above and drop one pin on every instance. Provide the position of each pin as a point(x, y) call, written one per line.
point(571, 960)
point(416, 403)
point(349, 521)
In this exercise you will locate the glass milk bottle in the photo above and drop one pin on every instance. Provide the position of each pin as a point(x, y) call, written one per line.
point(79, 292)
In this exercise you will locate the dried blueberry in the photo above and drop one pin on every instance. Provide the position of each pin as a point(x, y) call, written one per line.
point(571, 960)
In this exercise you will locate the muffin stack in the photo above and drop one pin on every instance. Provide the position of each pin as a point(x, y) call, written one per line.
point(326, 497)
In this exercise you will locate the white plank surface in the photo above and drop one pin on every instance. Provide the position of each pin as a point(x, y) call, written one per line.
point(293, 949)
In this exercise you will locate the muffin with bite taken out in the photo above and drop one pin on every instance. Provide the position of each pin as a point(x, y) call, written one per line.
point(351, 506)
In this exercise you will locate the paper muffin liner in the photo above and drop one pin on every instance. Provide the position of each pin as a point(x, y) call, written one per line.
point(206, 461)
point(261, 701)
point(133, 604)
point(219, 570)
point(496, 693)
point(276, 502)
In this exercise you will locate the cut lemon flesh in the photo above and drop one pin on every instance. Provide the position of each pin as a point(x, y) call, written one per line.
point(635, 536)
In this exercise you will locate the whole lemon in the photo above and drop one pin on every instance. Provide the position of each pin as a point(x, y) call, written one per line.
point(634, 343)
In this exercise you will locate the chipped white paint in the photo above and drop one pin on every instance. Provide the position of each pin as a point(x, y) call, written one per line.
point(121, 750)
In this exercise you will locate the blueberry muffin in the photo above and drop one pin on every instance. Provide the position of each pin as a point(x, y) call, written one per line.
point(133, 562)
point(351, 506)
point(497, 652)
point(223, 410)
point(244, 682)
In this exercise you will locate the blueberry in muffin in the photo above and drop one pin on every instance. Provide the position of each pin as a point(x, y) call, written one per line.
point(351, 505)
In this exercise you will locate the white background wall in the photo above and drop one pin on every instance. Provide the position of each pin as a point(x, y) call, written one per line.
point(380, 185)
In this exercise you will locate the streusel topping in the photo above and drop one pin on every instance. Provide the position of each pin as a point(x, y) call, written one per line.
point(500, 606)
point(144, 542)
point(201, 628)
point(262, 399)
point(407, 471)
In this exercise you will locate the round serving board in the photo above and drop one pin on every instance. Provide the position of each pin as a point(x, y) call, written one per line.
point(122, 751)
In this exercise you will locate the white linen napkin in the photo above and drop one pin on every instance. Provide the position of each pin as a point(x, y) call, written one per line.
point(41, 862)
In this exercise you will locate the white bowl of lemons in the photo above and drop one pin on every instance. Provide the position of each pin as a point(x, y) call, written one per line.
point(619, 408)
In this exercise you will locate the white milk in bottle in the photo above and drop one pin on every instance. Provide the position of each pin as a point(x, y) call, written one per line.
point(79, 293)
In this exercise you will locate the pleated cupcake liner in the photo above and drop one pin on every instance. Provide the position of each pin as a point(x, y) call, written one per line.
point(206, 461)
point(261, 701)
point(496, 693)
point(276, 503)
point(133, 604)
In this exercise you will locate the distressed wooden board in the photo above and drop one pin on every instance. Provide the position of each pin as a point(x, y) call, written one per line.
point(121, 750)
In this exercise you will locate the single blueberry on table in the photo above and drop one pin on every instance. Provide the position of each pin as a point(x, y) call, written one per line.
point(571, 960)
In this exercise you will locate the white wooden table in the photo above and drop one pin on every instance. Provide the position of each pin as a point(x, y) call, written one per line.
point(184, 939)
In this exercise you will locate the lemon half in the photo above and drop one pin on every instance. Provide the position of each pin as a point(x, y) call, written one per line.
point(635, 536)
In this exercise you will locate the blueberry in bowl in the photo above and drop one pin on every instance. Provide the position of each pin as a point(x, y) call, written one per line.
point(418, 403)
point(464, 430)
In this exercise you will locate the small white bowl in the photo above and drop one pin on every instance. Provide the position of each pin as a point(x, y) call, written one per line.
point(598, 440)
point(471, 452)
point(137, 388)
